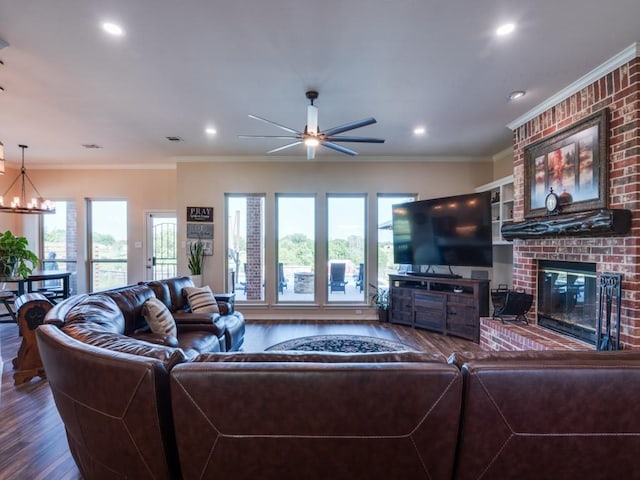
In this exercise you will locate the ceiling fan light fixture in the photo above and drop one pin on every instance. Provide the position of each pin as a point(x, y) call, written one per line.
point(311, 142)
point(505, 29)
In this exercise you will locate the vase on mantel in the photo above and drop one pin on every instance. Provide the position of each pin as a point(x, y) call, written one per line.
point(197, 280)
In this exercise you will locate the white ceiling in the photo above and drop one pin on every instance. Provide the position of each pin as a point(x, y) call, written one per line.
point(183, 65)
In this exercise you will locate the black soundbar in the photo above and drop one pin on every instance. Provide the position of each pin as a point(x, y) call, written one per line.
point(434, 275)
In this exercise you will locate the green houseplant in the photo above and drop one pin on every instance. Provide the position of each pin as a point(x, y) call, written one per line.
point(195, 259)
point(15, 257)
point(380, 300)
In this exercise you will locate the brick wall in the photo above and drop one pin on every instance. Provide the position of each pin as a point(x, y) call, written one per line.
point(619, 91)
point(254, 248)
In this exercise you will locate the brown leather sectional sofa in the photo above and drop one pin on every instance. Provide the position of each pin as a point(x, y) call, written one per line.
point(162, 414)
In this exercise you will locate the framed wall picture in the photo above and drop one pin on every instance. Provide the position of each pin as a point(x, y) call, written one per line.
point(207, 245)
point(573, 164)
point(200, 214)
point(200, 230)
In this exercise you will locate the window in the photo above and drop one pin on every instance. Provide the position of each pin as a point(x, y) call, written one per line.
point(296, 247)
point(385, 235)
point(107, 243)
point(60, 243)
point(346, 247)
point(245, 245)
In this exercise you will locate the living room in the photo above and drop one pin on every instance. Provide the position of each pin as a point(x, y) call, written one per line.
point(185, 175)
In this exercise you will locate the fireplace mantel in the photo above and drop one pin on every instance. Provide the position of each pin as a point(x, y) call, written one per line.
point(580, 224)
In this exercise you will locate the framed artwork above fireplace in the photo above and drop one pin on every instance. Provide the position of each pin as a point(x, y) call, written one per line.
point(573, 163)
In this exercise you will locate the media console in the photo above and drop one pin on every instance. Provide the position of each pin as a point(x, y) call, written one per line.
point(452, 306)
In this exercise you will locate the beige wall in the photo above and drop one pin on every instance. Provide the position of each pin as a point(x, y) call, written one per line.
point(205, 184)
point(144, 190)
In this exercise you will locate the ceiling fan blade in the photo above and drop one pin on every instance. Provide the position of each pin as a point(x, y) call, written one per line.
point(312, 120)
point(285, 146)
point(349, 126)
point(275, 124)
point(311, 152)
point(355, 139)
point(269, 136)
point(339, 148)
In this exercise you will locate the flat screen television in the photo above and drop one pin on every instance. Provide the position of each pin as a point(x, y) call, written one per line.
point(450, 231)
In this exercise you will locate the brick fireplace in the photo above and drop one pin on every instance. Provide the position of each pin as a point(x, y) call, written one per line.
point(619, 91)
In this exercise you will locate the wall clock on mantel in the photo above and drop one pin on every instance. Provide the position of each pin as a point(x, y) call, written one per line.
point(552, 202)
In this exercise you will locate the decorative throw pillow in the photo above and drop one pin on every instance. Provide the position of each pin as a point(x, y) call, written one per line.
point(201, 300)
point(159, 317)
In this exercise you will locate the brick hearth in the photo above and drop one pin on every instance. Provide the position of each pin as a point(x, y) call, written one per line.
point(494, 335)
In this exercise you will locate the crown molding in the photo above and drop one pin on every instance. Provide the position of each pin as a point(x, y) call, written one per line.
point(625, 56)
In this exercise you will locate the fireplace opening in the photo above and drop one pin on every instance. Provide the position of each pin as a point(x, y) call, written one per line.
point(567, 298)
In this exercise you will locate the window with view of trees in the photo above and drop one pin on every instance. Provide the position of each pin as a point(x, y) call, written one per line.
point(296, 247)
point(107, 243)
point(59, 244)
point(346, 247)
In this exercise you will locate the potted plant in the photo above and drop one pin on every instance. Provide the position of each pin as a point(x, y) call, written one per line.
point(195, 259)
point(15, 257)
point(380, 300)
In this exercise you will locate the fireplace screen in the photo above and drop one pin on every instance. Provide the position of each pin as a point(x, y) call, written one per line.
point(567, 298)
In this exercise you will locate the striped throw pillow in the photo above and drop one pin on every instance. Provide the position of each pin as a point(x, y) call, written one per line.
point(201, 300)
point(159, 318)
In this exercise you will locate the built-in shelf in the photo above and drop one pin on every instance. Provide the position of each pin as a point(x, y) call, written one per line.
point(501, 206)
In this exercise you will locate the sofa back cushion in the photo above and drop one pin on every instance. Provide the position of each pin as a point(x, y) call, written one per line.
point(550, 418)
point(130, 300)
point(315, 420)
point(170, 291)
point(115, 408)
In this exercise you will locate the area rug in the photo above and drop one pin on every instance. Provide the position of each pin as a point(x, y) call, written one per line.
point(341, 343)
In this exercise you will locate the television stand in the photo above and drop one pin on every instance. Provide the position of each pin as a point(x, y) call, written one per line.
point(438, 302)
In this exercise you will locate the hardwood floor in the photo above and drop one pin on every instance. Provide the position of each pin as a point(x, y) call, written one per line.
point(33, 444)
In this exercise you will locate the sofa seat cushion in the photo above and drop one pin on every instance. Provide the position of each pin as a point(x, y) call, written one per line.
point(159, 318)
point(201, 300)
point(208, 322)
point(198, 342)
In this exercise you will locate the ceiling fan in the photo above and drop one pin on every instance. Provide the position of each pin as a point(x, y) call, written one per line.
point(313, 136)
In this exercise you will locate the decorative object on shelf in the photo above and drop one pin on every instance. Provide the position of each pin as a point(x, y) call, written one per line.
point(574, 163)
point(593, 223)
point(15, 257)
point(552, 202)
point(20, 202)
point(495, 198)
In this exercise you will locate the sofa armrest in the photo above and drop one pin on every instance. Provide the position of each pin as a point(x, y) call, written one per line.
point(228, 299)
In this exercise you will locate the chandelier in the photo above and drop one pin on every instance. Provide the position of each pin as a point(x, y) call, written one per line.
point(19, 203)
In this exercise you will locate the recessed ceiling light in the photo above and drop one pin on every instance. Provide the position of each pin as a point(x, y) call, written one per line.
point(505, 29)
point(113, 29)
point(517, 94)
point(419, 131)
point(210, 131)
